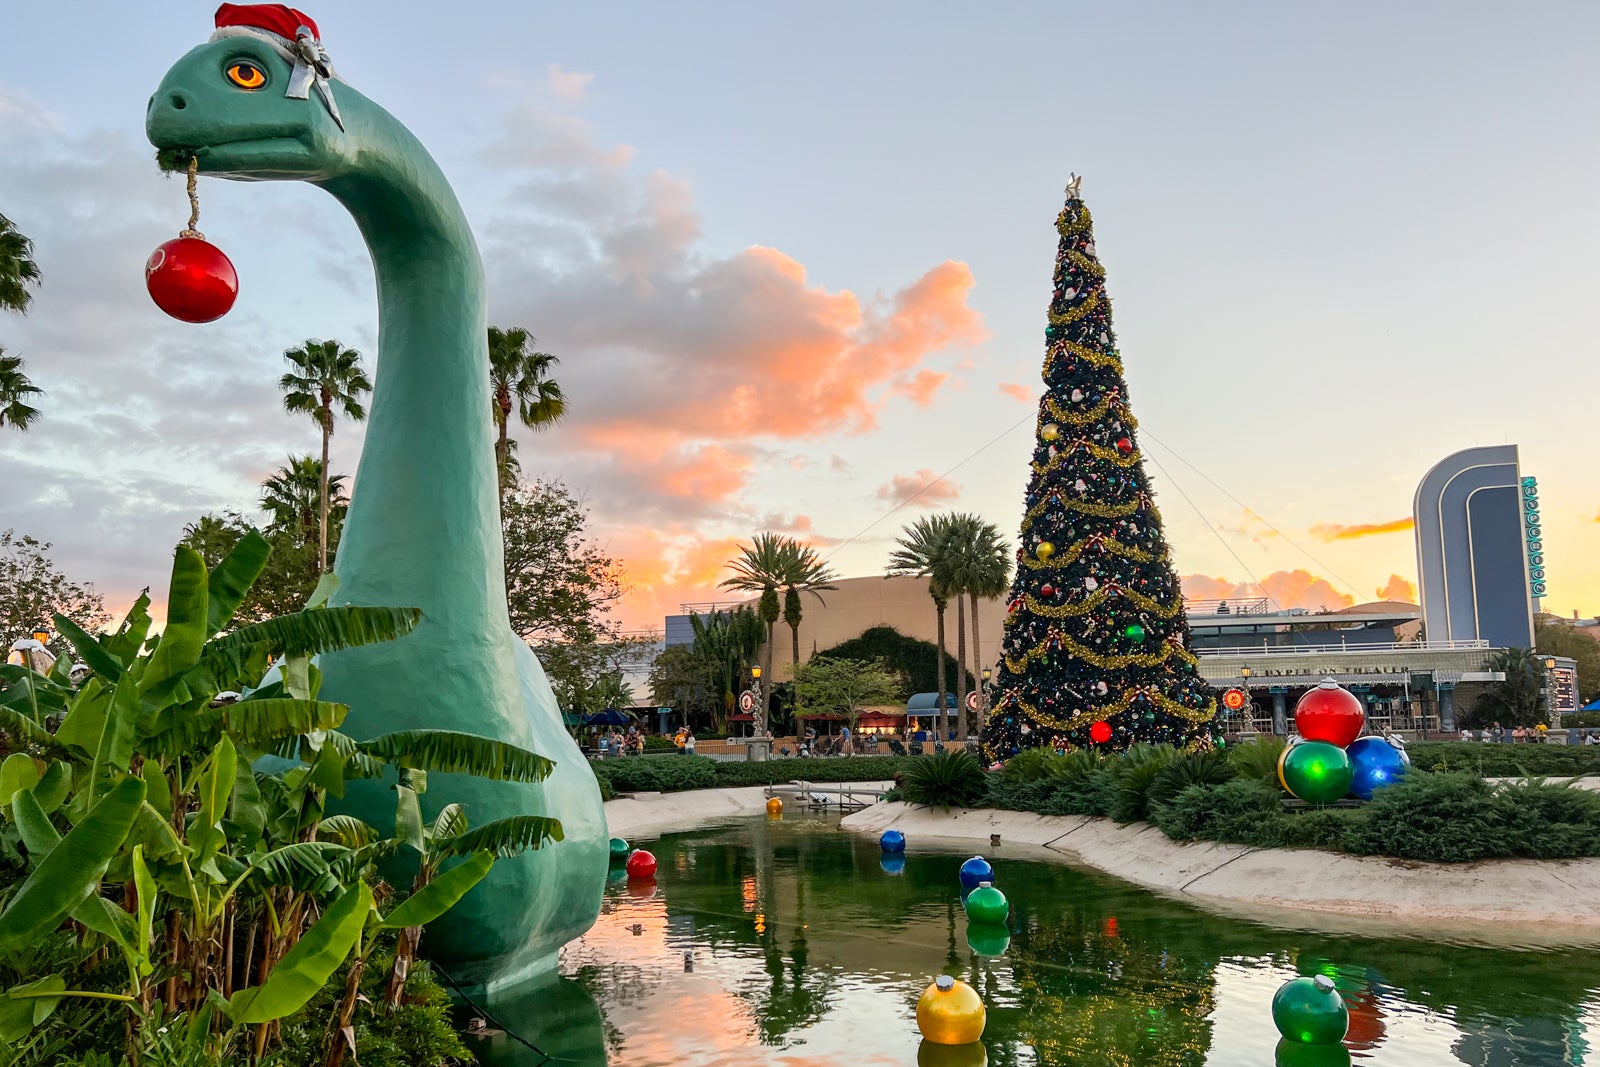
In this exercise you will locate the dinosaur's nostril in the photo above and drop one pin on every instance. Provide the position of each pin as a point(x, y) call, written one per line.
point(178, 101)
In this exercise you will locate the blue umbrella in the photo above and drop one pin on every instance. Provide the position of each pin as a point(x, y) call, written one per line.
point(609, 717)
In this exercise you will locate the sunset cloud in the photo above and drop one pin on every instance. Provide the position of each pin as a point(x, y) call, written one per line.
point(1287, 589)
point(568, 86)
point(1332, 531)
point(1018, 392)
point(922, 387)
point(920, 487)
point(1397, 588)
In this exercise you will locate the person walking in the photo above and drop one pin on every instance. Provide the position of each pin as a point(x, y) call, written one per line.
point(844, 740)
point(688, 743)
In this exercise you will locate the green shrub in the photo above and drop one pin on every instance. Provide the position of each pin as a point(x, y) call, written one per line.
point(1453, 817)
point(418, 1033)
point(1035, 763)
point(606, 792)
point(1245, 811)
point(953, 778)
point(1505, 760)
point(814, 769)
point(1580, 718)
point(664, 774)
point(657, 743)
point(1186, 769)
point(1324, 828)
point(1257, 759)
point(1131, 778)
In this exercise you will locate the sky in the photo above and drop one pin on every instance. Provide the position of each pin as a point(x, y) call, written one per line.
point(795, 262)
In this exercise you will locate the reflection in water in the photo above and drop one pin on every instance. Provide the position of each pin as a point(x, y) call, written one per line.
point(787, 942)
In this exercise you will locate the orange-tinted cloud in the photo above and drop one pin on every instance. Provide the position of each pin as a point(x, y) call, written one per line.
point(921, 486)
point(1287, 589)
point(1333, 531)
point(1397, 588)
point(922, 387)
point(1017, 391)
point(667, 569)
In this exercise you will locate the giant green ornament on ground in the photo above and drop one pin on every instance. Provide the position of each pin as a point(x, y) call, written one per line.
point(260, 102)
point(1315, 771)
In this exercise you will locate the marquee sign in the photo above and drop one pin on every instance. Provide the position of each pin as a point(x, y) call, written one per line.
point(1234, 699)
point(1534, 536)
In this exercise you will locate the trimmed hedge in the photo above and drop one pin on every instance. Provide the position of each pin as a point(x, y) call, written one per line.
point(1505, 760)
point(668, 774)
point(660, 774)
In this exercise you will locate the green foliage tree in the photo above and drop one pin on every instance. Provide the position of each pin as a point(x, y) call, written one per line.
point(845, 686)
point(919, 551)
point(1095, 631)
point(913, 661)
point(296, 494)
point(290, 574)
point(1552, 637)
point(560, 584)
point(806, 573)
point(728, 643)
point(15, 391)
point(324, 375)
point(19, 274)
point(689, 682)
point(519, 380)
point(33, 591)
point(1516, 701)
point(975, 561)
point(133, 809)
point(763, 567)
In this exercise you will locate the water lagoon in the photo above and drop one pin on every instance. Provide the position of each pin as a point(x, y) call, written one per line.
point(787, 942)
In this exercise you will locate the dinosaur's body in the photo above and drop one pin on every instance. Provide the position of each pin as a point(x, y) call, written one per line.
point(423, 528)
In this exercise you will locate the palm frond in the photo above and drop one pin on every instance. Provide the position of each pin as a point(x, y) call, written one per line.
point(449, 752)
point(323, 630)
point(450, 822)
point(260, 722)
point(503, 837)
point(346, 830)
point(304, 865)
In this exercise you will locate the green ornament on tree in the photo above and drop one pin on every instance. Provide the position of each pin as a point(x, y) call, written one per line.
point(1310, 1011)
point(1134, 633)
point(1315, 771)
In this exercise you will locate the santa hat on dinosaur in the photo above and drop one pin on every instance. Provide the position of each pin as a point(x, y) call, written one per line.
point(293, 35)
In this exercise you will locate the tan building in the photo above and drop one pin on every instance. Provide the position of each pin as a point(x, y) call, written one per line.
point(859, 604)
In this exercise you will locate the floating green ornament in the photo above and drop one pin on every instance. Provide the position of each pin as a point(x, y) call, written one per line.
point(1134, 632)
point(987, 905)
point(1310, 1011)
point(1315, 771)
point(619, 850)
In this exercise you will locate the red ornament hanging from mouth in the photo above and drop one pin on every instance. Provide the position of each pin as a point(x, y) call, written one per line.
point(189, 277)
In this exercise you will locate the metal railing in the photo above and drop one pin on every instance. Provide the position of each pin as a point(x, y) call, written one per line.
point(1258, 605)
point(1358, 646)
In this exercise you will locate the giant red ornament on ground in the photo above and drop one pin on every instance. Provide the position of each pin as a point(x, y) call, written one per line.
point(1329, 713)
point(190, 279)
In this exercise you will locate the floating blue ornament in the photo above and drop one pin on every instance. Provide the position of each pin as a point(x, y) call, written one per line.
point(892, 841)
point(975, 872)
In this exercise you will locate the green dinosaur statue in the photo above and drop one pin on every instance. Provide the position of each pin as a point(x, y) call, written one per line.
point(423, 528)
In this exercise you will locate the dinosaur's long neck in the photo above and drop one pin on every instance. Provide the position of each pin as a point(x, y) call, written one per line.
point(423, 528)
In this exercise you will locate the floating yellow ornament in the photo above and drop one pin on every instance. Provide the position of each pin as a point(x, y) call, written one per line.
point(774, 806)
point(950, 1012)
point(1045, 550)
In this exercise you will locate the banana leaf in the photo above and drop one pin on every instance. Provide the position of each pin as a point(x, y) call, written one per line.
point(441, 894)
point(307, 966)
point(230, 581)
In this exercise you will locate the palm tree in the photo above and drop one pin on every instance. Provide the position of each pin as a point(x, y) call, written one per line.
point(807, 574)
point(982, 558)
point(15, 388)
point(764, 567)
point(297, 494)
point(519, 378)
point(326, 374)
point(919, 551)
point(19, 274)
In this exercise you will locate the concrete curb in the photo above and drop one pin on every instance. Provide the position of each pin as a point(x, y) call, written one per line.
point(1554, 901)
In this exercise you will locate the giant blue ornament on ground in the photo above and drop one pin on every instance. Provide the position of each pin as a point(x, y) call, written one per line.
point(1375, 763)
point(423, 528)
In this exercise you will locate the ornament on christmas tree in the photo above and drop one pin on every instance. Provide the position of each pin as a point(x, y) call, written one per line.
point(1124, 445)
point(1315, 771)
point(1310, 1011)
point(1049, 431)
point(1100, 732)
point(1047, 590)
point(1134, 633)
point(1045, 551)
point(1329, 713)
point(188, 277)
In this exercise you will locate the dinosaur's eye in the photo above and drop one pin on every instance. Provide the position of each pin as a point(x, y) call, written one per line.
point(246, 75)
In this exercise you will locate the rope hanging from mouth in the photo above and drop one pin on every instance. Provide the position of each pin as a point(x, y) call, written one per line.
point(194, 202)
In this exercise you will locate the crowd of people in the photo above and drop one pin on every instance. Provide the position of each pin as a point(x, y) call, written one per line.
point(1496, 733)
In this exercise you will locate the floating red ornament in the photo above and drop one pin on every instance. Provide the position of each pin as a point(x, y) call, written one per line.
point(1329, 713)
point(641, 864)
point(1124, 445)
point(190, 279)
point(1100, 732)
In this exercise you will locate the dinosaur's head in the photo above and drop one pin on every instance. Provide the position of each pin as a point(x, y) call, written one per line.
point(252, 105)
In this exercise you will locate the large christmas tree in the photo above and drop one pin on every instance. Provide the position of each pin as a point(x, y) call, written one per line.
point(1096, 650)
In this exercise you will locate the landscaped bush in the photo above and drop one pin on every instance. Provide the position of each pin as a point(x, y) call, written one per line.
point(1131, 776)
point(953, 778)
point(815, 769)
point(1245, 811)
point(1458, 817)
point(1257, 759)
point(1580, 718)
point(1505, 760)
point(656, 774)
point(1035, 763)
point(1186, 769)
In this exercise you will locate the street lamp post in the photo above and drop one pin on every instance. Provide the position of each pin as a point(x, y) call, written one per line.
point(1249, 698)
point(983, 702)
point(761, 707)
point(1550, 692)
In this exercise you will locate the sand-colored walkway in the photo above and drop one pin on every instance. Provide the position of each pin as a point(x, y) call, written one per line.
point(1547, 901)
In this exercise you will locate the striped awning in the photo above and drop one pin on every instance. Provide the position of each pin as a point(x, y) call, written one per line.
point(1259, 681)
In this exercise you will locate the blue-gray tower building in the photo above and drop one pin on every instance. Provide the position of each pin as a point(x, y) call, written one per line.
point(1480, 552)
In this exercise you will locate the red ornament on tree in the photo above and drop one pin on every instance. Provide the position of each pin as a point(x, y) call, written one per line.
point(1047, 590)
point(1124, 445)
point(1100, 732)
point(1329, 713)
point(190, 279)
point(641, 864)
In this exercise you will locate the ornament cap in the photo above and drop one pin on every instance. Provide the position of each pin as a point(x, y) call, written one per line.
point(1327, 683)
point(944, 983)
point(1323, 982)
